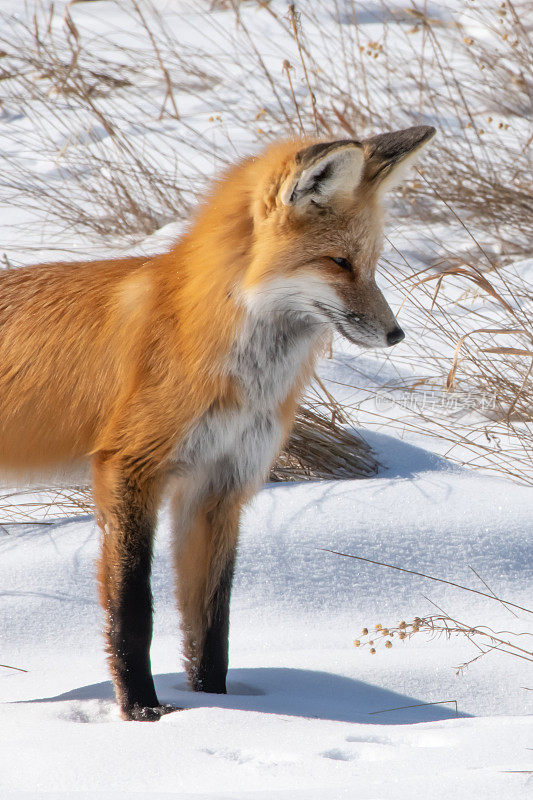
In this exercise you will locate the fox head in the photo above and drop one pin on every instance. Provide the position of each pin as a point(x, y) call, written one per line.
point(317, 232)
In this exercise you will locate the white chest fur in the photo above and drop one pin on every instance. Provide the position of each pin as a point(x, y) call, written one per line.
point(235, 448)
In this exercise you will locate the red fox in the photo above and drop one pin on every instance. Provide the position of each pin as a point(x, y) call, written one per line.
point(185, 370)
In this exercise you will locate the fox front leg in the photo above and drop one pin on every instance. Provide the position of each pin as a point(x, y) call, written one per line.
point(127, 508)
point(204, 560)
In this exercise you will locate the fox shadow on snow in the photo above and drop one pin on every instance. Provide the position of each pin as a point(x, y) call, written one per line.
point(291, 692)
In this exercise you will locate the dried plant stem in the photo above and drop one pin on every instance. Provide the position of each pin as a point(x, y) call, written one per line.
point(164, 71)
point(430, 577)
point(417, 705)
point(482, 637)
point(287, 69)
point(296, 32)
point(8, 666)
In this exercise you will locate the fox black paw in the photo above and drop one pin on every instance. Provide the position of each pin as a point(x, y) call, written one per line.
point(139, 713)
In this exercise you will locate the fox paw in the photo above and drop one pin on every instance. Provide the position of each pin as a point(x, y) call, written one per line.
point(138, 713)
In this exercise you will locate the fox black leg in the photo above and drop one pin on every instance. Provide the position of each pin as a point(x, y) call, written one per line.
point(127, 513)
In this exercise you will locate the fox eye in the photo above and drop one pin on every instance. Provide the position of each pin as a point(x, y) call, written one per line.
point(343, 263)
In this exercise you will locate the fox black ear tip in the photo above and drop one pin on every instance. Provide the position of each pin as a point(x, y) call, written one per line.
point(428, 132)
point(420, 131)
point(421, 135)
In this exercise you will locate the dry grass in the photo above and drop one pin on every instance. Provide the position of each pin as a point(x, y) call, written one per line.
point(90, 103)
point(44, 504)
point(321, 446)
point(467, 306)
point(484, 639)
point(80, 111)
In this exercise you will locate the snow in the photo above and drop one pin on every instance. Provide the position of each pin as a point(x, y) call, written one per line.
point(300, 712)
point(307, 716)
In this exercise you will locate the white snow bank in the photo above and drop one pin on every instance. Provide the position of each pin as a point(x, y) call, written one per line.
point(299, 718)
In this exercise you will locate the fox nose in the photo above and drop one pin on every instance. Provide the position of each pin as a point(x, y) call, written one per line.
point(395, 336)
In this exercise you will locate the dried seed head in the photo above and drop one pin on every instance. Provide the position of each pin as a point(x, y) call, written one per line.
point(370, 641)
point(385, 631)
point(388, 643)
point(402, 635)
point(402, 624)
point(372, 651)
point(364, 631)
point(356, 643)
point(379, 626)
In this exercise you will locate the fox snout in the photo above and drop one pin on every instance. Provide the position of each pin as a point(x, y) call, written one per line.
point(369, 333)
point(368, 319)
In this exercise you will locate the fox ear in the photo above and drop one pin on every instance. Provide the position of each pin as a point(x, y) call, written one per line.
point(324, 171)
point(388, 156)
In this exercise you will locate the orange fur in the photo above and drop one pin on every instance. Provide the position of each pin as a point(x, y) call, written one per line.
point(119, 361)
point(123, 354)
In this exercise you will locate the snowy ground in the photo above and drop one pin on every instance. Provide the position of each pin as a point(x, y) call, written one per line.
point(298, 720)
point(306, 715)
